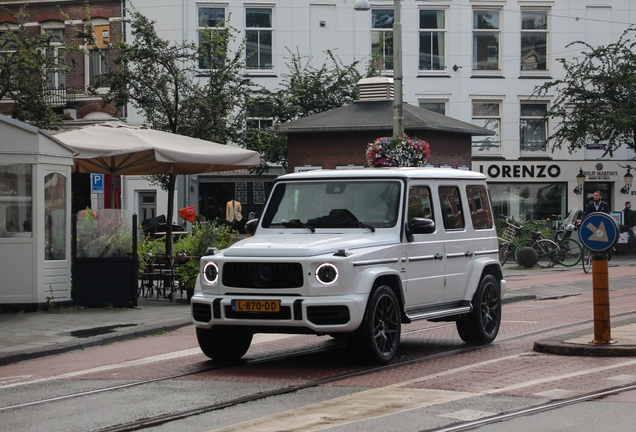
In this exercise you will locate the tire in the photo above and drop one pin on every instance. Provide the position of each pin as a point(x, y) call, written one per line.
point(587, 260)
point(481, 326)
point(521, 244)
point(504, 252)
point(569, 252)
point(548, 253)
point(222, 343)
point(378, 337)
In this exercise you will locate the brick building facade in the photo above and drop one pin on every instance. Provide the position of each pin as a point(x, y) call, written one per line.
point(69, 92)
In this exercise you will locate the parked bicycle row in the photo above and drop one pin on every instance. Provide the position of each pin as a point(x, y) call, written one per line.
point(531, 243)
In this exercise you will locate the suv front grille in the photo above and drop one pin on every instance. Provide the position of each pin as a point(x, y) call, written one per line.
point(262, 275)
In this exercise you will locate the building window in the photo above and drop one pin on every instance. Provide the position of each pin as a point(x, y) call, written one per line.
point(487, 115)
point(147, 205)
point(486, 39)
point(259, 30)
point(209, 19)
point(97, 65)
point(534, 40)
point(55, 59)
point(533, 128)
point(98, 54)
point(259, 116)
point(438, 107)
point(382, 38)
point(432, 40)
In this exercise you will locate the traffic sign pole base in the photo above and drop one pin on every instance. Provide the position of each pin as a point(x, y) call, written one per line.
point(602, 342)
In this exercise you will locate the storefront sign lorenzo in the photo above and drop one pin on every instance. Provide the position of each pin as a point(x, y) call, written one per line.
point(521, 171)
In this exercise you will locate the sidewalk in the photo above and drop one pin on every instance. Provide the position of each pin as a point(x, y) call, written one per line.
point(31, 335)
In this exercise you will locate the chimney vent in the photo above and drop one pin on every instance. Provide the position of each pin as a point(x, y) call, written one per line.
point(375, 89)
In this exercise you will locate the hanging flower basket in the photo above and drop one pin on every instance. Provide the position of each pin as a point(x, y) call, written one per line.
point(400, 151)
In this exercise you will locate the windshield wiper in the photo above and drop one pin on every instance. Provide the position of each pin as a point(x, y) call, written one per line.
point(298, 224)
point(363, 225)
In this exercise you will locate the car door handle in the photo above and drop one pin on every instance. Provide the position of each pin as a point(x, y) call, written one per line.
point(469, 254)
point(438, 256)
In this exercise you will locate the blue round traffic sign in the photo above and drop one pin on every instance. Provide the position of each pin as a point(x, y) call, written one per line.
point(598, 232)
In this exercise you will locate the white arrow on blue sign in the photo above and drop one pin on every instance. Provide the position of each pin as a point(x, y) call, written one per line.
point(598, 232)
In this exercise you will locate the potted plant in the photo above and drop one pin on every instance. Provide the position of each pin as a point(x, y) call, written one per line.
point(398, 151)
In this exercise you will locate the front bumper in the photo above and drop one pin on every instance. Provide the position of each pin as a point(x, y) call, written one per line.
point(297, 314)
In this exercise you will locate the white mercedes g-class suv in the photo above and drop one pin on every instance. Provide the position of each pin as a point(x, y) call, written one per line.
point(356, 253)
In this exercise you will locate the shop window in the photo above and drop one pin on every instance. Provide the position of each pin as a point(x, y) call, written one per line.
point(16, 191)
point(55, 217)
point(528, 201)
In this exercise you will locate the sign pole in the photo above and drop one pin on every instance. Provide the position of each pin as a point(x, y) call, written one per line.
point(600, 294)
point(599, 233)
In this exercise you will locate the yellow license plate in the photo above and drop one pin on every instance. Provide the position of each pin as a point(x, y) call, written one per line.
point(256, 305)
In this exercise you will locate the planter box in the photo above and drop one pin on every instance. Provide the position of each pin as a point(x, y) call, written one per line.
point(100, 282)
point(104, 281)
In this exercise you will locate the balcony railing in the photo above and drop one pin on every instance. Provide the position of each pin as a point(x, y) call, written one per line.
point(60, 96)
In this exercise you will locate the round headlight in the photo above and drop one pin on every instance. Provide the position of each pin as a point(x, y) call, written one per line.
point(327, 274)
point(211, 273)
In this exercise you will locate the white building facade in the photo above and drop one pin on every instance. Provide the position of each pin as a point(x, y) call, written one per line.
point(477, 61)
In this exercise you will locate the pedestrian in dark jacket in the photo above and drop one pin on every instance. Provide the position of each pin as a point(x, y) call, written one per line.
point(597, 205)
point(628, 216)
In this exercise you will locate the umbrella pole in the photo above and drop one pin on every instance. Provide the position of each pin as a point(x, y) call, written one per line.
point(112, 190)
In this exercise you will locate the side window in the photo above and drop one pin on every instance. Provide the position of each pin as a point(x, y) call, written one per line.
point(480, 212)
point(451, 206)
point(420, 203)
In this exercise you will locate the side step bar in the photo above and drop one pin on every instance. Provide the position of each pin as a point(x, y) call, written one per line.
point(438, 313)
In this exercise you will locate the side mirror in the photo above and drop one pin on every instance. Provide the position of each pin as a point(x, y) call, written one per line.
point(421, 226)
point(250, 227)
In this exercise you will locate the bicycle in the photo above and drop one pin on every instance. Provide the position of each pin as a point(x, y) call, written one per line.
point(570, 250)
point(587, 260)
point(508, 242)
point(547, 250)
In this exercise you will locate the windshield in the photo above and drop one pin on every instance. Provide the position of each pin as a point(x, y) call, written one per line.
point(332, 204)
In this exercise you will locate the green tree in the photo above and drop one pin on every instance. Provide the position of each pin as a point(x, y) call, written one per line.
point(23, 71)
point(305, 91)
point(165, 83)
point(596, 100)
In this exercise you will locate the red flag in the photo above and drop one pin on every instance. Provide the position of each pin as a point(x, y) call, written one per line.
point(188, 214)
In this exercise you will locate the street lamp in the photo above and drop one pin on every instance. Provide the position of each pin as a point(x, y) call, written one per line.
point(629, 177)
point(398, 116)
point(580, 181)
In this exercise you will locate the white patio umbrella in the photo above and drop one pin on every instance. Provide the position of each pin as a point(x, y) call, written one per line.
point(119, 148)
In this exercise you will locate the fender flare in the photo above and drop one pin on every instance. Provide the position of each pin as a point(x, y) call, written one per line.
point(481, 266)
